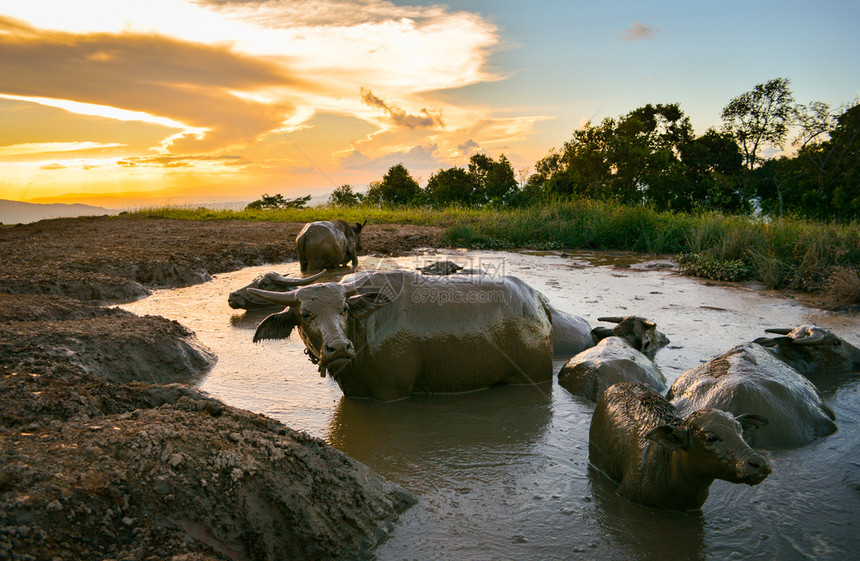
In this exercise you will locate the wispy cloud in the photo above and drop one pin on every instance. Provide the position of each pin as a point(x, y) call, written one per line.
point(149, 74)
point(425, 119)
point(33, 148)
point(169, 161)
point(640, 32)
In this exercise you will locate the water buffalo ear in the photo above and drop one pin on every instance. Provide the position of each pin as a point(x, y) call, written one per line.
point(276, 326)
point(599, 333)
point(669, 436)
point(750, 423)
point(363, 305)
point(772, 341)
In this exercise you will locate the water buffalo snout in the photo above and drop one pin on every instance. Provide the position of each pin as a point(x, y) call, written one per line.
point(339, 349)
point(755, 469)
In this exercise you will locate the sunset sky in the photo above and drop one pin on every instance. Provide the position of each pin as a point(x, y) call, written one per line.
point(124, 103)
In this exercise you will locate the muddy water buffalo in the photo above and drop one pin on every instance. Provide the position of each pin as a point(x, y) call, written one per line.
point(641, 333)
point(570, 334)
point(661, 460)
point(616, 358)
point(812, 350)
point(749, 379)
point(386, 335)
point(242, 299)
point(328, 244)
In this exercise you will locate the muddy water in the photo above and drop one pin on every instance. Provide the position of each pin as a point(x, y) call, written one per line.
point(503, 473)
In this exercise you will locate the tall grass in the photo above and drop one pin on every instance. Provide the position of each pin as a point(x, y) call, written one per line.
point(785, 253)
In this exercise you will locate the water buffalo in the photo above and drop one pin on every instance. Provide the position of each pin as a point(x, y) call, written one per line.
point(328, 244)
point(388, 334)
point(570, 334)
point(749, 379)
point(662, 460)
point(441, 268)
point(812, 350)
point(242, 299)
point(617, 358)
point(641, 333)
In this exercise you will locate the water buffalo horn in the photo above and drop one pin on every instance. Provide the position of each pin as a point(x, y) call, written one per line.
point(772, 341)
point(779, 330)
point(612, 319)
point(283, 298)
point(351, 288)
point(285, 281)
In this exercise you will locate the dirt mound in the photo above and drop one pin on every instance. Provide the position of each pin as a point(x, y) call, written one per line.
point(151, 472)
point(113, 344)
point(118, 259)
point(98, 460)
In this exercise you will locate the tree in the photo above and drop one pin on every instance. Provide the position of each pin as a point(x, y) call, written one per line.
point(274, 202)
point(713, 169)
point(760, 117)
point(453, 185)
point(822, 180)
point(343, 196)
point(396, 188)
point(632, 159)
point(499, 182)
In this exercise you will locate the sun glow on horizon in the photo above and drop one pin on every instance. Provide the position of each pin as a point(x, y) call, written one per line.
point(255, 95)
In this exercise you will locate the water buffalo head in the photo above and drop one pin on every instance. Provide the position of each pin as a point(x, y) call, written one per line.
point(715, 446)
point(641, 333)
point(808, 348)
point(320, 313)
point(273, 282)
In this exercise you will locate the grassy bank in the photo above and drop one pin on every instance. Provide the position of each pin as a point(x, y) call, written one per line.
point(785, 253)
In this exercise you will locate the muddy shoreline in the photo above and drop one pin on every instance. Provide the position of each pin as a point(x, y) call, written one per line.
point(108, 453)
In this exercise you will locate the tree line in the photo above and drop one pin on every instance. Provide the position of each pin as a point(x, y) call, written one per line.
point(650, 156)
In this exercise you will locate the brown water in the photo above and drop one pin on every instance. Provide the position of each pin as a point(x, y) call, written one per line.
point(503, 473)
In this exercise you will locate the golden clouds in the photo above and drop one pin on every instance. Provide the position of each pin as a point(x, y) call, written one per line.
point(233, 90)
point(187, 83)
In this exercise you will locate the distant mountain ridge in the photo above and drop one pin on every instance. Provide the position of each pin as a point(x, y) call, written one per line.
point(17, 212)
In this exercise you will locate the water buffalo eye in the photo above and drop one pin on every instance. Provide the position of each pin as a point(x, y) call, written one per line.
point(345, 310)
point(711, 438)
point(306, 315)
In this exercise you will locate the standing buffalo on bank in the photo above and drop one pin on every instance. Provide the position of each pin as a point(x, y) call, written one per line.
point(749, 379)
point(619, 357)
point(661, 460)
point(328, 244)
point(242, 299)
point(386, 335)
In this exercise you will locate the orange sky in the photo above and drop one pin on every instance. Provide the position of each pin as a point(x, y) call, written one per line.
point(125, 103)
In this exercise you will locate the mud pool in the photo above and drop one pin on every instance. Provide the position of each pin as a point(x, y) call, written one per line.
point(503, 473)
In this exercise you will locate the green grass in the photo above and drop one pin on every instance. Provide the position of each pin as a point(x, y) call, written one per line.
point(786, 253)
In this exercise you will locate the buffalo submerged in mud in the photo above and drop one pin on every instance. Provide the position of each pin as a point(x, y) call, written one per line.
point(387, 335)
point(662, 460)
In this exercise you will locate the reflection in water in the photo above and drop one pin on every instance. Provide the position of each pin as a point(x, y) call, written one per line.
point(644, 533)
point(435, 440)
point(503, 473)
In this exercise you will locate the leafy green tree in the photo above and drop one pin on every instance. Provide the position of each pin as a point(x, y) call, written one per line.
point(822, 180)
point(343, 196)
point(760, 117)
point(499, 182)
point(632, 159)
point(452, 185)
point(274, 202)
point(396, 188)
point(714, 174)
